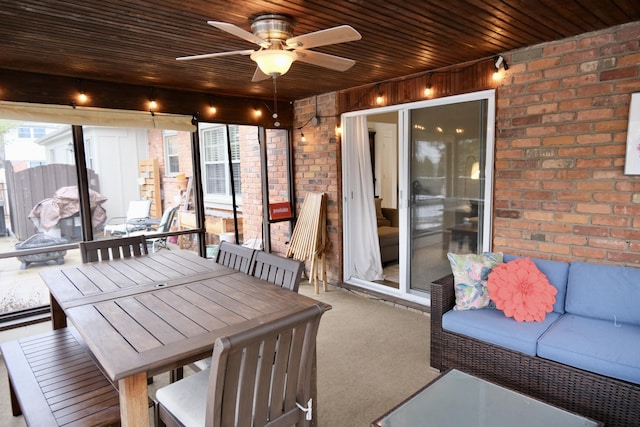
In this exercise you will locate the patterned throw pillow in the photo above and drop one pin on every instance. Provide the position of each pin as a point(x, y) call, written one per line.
point(521, 290)
point(470, 272)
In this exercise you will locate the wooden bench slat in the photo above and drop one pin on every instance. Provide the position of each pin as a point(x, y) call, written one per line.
point(55, 382)
point(86, 379)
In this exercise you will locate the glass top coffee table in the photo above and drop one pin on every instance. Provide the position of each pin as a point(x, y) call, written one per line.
point(459, 399)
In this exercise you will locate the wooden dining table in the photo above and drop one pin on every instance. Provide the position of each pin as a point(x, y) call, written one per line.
point(146, 315)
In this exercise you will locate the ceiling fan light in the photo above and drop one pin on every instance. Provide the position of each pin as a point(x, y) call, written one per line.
point(274, 62)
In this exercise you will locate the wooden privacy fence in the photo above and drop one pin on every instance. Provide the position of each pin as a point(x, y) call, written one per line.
point(309, 238)
point(26, 188)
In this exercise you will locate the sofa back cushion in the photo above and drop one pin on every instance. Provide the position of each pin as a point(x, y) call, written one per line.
point(604, 292)
point(557, 273)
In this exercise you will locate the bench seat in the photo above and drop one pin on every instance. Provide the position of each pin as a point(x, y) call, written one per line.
point(54, 381)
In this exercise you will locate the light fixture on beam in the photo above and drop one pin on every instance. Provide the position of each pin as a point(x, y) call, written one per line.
point(501, 62)
point(274, 62)
point(82, 97)
point(427, 88)
point(153, 105)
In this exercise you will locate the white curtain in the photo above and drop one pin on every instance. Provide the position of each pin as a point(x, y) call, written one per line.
point(66, 114)
point(363, 232)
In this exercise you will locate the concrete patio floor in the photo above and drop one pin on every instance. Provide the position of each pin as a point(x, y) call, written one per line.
point(371, 354)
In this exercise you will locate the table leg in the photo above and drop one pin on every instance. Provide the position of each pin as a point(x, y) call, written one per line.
point(134, 403)
point(58, 318)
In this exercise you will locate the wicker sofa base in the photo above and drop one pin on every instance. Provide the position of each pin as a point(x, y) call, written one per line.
point(612, 401)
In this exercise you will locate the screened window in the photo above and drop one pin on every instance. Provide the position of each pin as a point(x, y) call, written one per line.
point(215, 158)
point(24, 132)
point(172, 160)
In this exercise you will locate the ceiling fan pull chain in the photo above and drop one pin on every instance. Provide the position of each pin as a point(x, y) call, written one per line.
point(275, 102)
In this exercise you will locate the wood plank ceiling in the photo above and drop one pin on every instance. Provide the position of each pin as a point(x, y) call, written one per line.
point(136, 42)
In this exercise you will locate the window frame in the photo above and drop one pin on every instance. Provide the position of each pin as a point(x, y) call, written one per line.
point(170, 142)
point(220, 200)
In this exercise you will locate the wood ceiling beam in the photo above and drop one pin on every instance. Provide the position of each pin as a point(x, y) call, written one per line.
point(48, 89)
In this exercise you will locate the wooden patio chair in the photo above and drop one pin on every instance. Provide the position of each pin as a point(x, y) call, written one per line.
point(258, 377)
point(284, 272)
point(103, 250)
point(235, 256)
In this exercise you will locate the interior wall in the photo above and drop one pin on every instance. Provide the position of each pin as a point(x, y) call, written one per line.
point(386, 162)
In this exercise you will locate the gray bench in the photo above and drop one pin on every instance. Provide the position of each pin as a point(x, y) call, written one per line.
point(54, 382)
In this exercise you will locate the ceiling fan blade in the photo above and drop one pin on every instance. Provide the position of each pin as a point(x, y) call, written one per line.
point(332, 62)
point(239, 32)
point(259, 76)
point(213, 55)
point(341, 34)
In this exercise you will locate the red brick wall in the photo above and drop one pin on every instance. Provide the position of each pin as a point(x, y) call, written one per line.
point(562, 114)
point(317, 168)
point(252, 184)
point(559, 187)
point(171, 187)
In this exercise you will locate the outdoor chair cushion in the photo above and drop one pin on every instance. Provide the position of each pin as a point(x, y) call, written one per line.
point(493, 326)
point(605, 292)
point(184, 398)
point(601, 346)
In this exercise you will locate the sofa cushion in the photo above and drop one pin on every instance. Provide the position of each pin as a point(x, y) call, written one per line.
point(604, 292)
point(388, 241)
point(470, 272)
point(556, 271)
point(380, 218)
point(494, 327)
point(599, 346)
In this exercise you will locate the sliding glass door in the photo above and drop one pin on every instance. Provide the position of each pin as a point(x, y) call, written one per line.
point(430, 190)
point(447, 147)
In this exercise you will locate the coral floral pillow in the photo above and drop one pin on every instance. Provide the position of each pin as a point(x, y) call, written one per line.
point(521, 290)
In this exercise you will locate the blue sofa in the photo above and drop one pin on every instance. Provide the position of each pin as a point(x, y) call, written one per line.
point(584, 356)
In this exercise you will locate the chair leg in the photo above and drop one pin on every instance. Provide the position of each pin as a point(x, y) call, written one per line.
point(176, 374)
point(15, 406)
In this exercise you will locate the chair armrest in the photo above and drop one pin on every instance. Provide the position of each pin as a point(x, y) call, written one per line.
point(392, 215)
point(117, 220)
point(139, 221)
point(442, 300)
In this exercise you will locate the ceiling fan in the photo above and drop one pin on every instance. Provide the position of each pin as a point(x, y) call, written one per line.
point(279, 48)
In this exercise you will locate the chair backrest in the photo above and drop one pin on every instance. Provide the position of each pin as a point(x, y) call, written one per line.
point(103, 250)
point(167, 220)
point(234, 256)
point(284, 272)
point(258, 375)
point(138, 209)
